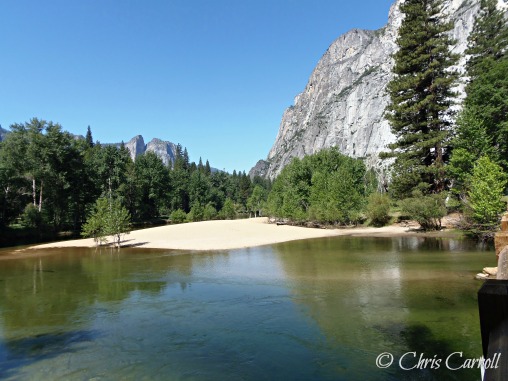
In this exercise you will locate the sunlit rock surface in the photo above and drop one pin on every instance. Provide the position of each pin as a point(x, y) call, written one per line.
point(344, 100)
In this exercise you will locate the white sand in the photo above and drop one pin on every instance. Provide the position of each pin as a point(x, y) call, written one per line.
point(223, 235)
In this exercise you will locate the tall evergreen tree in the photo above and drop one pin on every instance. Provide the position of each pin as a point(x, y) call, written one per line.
point(482, 128)
point(488, 41)
point(421, 95)
point(153, 183)
point(186, 163)
point(88, 137)
point(178, 162)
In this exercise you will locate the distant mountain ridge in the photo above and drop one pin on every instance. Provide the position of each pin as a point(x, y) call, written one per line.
point(165, 150)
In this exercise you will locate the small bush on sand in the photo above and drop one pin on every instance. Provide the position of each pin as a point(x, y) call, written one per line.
point(378, 209)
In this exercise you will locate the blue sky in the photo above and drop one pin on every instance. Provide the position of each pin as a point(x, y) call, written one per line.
point(215, 76)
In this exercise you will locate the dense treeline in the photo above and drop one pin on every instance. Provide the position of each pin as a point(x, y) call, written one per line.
point(50, 179)
point(326, 187)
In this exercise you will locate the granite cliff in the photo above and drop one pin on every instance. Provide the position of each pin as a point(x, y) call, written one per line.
point(163, 149)
point(344, 100)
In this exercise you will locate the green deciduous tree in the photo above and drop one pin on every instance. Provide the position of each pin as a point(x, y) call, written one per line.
point(378, 209)
point(96, 224)
point(108, 218)
point(196, 212)
point(327, 187)
point(209, 212)
point(289, 197)
point(256, 200)
point(31, 217)
point(427, 210)
point(487, 185)
point(119, 221)
point(334, 197)
point(41, 164)
point(228, 211)
point(420, 99)
point(178, 216)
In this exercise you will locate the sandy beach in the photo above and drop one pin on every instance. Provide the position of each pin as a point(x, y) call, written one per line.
point(230, 234)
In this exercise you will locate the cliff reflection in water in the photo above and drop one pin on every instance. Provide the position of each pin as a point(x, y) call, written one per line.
point(372, 295)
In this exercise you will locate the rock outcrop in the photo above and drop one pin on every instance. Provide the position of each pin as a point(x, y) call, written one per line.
point(345, 98)
point(136, 146)
point(260, 169)
point(3, 133)
point(163, 149)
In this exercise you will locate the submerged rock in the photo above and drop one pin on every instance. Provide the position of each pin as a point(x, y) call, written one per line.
point(481, 276)
point(490, 271)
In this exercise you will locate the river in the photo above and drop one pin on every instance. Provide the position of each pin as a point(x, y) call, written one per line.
point(319, 309)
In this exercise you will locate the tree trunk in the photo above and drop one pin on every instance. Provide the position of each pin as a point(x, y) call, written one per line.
point(40, 198)
point(440, 183)
point(34, 192)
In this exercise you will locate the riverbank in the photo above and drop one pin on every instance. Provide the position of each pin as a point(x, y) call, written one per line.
point(234, 234)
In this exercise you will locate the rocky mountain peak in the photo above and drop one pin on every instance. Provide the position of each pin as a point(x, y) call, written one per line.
point(344, 100)
point(136, 146)
point(163, 149)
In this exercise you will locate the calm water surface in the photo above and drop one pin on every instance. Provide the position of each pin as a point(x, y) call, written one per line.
point(309, 310)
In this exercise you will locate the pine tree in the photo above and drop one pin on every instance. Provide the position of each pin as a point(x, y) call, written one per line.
point(488, 40)
point(185, 159)
point(88, 138)
point(421, 95)
point(482, 128)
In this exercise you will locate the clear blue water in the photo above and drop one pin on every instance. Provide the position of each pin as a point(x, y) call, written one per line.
point(319, 309)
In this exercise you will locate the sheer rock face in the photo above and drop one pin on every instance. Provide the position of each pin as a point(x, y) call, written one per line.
point(344, 101)
point(260, 169)
point(136, 146)
point(163, 149)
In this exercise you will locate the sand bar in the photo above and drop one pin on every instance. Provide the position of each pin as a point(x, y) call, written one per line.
point(224, 235)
